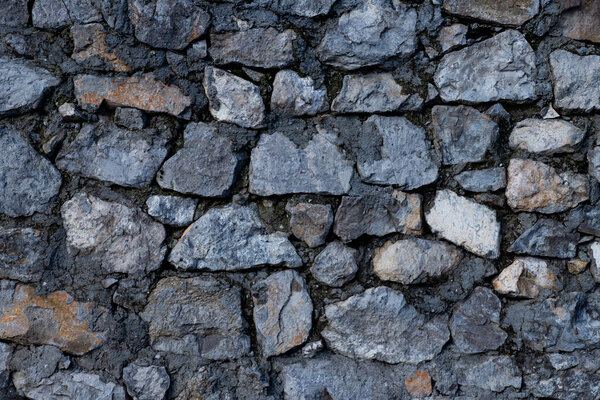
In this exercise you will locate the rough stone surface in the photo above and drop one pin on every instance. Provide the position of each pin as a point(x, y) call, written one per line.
point(593, 157)
point(24, 254)
point(546, 136)
point(172, 210)
point(482, 180)
point(505, 12)
point(130, 118)
point(297, 96)
point(72, 385)
point(335, 265)
point(376, 92)
point(419, 384)
point(591, 221)
point(581, 22)
point(453, 36)
point(494, 373)
point(55, 14)
point(90, 44)
point(303, 8)
point(525, 277)
point(576, 81)
point(310, 222)
point(547, 238)
point(15, 13)
point(146, 383)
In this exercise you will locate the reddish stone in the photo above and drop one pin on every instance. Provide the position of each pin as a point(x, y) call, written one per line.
point(419, 384)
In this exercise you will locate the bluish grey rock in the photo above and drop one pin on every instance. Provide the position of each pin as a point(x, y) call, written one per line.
point(146, 383)
point(296, 96)
point(56, 14)
point(547, 238)
point(489, 372)
point(303, 8)
point(335, 265)
point(545, 136)
point(370, 93)
point(172, 210)
point(24, 254)
point(72, 385)
point(34, 363)
point(572, 384)
point(576, 81)
point(130, 118)
point(15, 13)
point(482, 180)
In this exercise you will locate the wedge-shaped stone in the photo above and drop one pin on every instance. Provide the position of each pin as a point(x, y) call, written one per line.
point(546, 136)
point(482, 180)
point(369, 93)
point(576, 81)
point(547, 238)
point(505, 12)
point(525, 277)
point(296, 96)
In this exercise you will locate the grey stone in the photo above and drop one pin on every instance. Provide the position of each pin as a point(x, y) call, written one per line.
point(303, 8)
point(547, 238)
point(489, 372)
point(71, 385)
point(576, 81)
point(130, 118)
point(525, 277)
point(91, 49)
point(15, 13)
point(55, 14)
point(591, 221)
point(113, 236)
point(109, 153)
point(593, 157)
point(197, 317)
point(546, 136)
point(335, 265)
point(206, 165)
point(376, 92)
point(499, 68)
point(34, 363)
point(378, 324)
point(172, 210)
point(475, 323)
point(482, 180)
point(233, 99)
point(453, 36)
point(146, 383)
point(69, 112)
point(463, 134)
point(561, 361)
point(6, 357)
point(28, 181)
point(24, 254)
point(282, 312)
point(499, 115)
point(581, 22)
point(573, 384)
point(505, 12)
point(232, 238)
point(296, 96)
point(310, 222)
point(406, 157)
point(369, 34)
point(254, 47)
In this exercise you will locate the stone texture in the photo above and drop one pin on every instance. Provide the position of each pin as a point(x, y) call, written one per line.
point(547, 238)
point(419, 384)
point(146, 383)
point(24, 254)
point(573, 384)
point(130, 118)
point(172, 210)
point(232, 238)
point(489, 372)
point(90, 44)
point(197, 317)
point(303, 8)
point(71, 385)
point(499, 68)
point(535, 186)
point(482, 180)
point(375, 92)
point(335, 265)
point(453, 36)
point(414, 260)
point(581, 23)
point(525, 277)
point(310, 222)
point(465, 223)
point(593, 157)
point(576, 81)
point(591, 221)
point(546, 136)
point(297, 96)
point(15, 13)
point(55, 14)
point(282, 312)
point(505, 12)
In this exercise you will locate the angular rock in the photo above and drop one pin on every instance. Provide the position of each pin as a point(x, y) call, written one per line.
point(282, 312)
point(406, 158)
point(499, 68)
point(525, 277)
point(24, 254)
point(593, 157)
point(376, 92)
point(465, 223)
point(546, 136)
point(206, 165)
point(130, 118)
point(335, 265)
point(71, 385)
point(591, 221)
point(172, 210)
point(463, 134)
point(378, 324)
point(310, 222)
point(419, 384)
point(489, 372)
point(140, 91)
point(233, 99)
point(547, 238)
point(90, 44)
point(15, 13)
point(453, 36)
point(482, 180)
point(33, 363)
point(505, 12)
point(475, 323)
point(197, 317)
point(576, 81)
point(109, 153)
point(254, 47)
point(232, 238)
point(170, 24)
point(146, 383)
point(414, 260)
point(296, 96)
point(115, 237)
point(581, 23)
point(28, 181)
point(368, 35)
point(535, 186)
point(278, 166)
point(572, 384)
point(55, 14)
point(576, 267)
point(303, 8)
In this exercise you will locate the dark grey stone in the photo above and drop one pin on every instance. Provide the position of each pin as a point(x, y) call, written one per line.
point(547, 238)
point(482, 180)
point(303, 8)
point(335, 265)
point(376, 92)
point(488, 372)
point(55, 14)
point(130, 118)
point(15, 13)
point(591, 221)
point(576, 81)
point(146, 383)
point(34, 363)
point(572, 384)
point(24, 254)
point(72, 385)
point(172, 210)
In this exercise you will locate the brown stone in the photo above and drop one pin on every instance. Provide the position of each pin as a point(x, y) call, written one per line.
point(525, 277)
point(576, 267)
point(582, 22)
point(419, 384)
point(505, 12)
point(310, 222)
point(89, 41)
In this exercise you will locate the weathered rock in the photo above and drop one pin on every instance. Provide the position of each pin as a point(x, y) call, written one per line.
point(572, 384)
point(70, 112)
point(576, 267)
point(146, 383)
point(28, 181)
point(115, 237)
point(55, 14)
point(465, 223)
point(197, 317)
point(232, 238)
point(90, 44)
point(109, 153)
point(546, 136)
point(576, 81)
point(376, 92)
point(547, 238)
point(255, 47)
point(15, 13)
point(368, 35)
point(406, 158)
point(453, 36)
point(595, 256)
point(172, 210)
point(303, 8)
point(206, 165)
point(278, 166)
point(525, 277)
point(233, 99)
point(499, 68)
point(505, 12)
point(130, 118)
point(335, 265)
point(414, 260)
point(489, 372)
point(310, 222)
point(296, 96)
point(170, 24)
point(140, 91)
point(535, 186)
point(475, 323)
point(482, 180)
point(31, 364)
point(581, 23)
point(282, 312)
point(591, 221)
point(419, 384)
point(463, 134)
point(593, 157)
point(378, 213)
point(378, 324)
point(24, 254)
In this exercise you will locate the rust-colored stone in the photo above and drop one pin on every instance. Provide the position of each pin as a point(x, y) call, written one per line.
point(90, 41)
point(419, 384)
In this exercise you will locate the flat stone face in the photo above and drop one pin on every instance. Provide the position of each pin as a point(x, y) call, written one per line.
point(378, 324)
point(406, 157)
point(296, 96)
point(465, 223)
point(535, 186)
point(200, 316)
point(482, 180)
point(146, 383)
point(233, 99)
point(71, 385)
point(24, 254)
point(499, 68)
point(376, 92)
point(547, 238)
point(310, 222)
point(576, 81)
point(414, 260)
point(115, 237)
point(591, 221)
point(368, 35)
point(206, 165)
point(55, 14)
point(505, 12)
point(546, 136)
point(255, 47)
point(28, 181)
point(489, 372)
point(109, 153)
point(282, 312)
point(303, 8)
point(232, 238)
point(90, 44)
point(140, 91)
point(335, 265)
point(278, 166)
point(463, 134)
point(525, 277)
point(56, 319)
point(15, 13)
point(453, 36)
point(581, 23)
point(170, 24)
point(172, 210)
